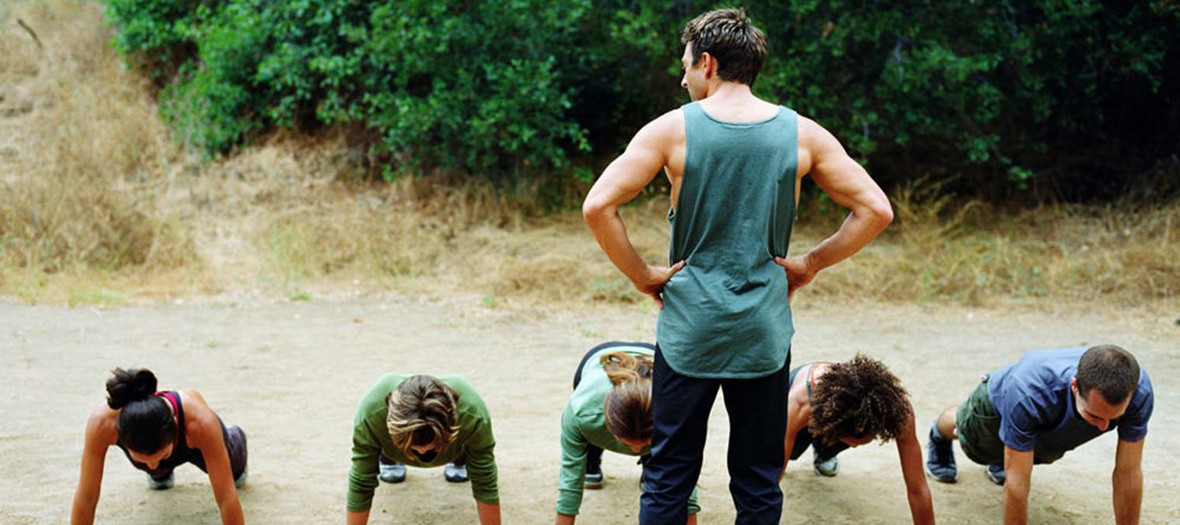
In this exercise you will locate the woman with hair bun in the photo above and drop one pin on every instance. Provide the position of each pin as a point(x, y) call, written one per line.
point(609, 409)
point(159, 431)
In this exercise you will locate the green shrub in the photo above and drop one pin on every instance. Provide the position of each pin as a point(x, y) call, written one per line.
point(1041, 99)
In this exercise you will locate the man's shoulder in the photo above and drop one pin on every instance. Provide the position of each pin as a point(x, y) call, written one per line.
point(671, 122)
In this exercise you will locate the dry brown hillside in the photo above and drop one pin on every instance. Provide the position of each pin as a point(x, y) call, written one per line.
point(99, 205)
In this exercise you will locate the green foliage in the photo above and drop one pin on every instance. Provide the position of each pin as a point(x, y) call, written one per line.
point(993, 94)
point(1005, 98)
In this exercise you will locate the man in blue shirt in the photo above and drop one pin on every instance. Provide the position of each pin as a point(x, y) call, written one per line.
point(1036, 410)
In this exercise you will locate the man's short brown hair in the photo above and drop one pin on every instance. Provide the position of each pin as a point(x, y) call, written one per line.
point(728, 36)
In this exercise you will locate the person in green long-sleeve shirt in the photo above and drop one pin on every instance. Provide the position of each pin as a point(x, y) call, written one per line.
point(609, 409)
point(422, 421)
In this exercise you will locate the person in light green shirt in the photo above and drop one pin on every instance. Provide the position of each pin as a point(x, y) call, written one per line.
point(609, 409)
point(422, 421)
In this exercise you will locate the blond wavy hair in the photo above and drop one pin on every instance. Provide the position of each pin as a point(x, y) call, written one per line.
point(422, 411)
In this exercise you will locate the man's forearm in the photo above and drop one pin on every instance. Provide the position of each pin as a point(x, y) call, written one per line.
point(858, 230)
point(611, 234)
point(1128, 497)
point(1015, 502)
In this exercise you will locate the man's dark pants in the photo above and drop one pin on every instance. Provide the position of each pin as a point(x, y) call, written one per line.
point(757, 424)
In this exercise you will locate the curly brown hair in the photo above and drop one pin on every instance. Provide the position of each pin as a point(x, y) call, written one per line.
point(857, 399)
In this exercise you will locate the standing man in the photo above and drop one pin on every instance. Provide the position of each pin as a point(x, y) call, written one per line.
point(1036, 410)
point(735, 163)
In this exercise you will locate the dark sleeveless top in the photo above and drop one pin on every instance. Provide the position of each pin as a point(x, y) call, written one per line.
point(181, 453)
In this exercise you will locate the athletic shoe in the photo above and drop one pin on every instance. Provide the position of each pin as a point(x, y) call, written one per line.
point(996, 474)
point(940, 457)
point(827, 468)
point(240, 480)
point(594, 480)
point(455, 473)
point(161, 484)
point(391, 472)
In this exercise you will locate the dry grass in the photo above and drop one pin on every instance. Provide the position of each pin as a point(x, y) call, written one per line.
point(974, 254)
point(98, 205)
point(83, 156)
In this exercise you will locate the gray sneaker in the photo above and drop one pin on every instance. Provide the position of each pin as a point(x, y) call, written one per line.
point(827, 468)
point(161, 484)
point(391, 472)
point(455, 473)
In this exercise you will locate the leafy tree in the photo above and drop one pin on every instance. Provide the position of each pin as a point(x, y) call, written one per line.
point(1033, 99)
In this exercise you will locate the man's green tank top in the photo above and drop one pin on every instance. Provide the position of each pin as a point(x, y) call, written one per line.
point(726, 313)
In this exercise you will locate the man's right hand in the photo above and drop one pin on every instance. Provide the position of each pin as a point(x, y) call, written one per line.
point(655, 278)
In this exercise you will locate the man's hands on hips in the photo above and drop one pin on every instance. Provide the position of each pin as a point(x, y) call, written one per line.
point(799, 272)
point(652, 282)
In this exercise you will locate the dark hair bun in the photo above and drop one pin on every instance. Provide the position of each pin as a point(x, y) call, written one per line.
point(127, 386)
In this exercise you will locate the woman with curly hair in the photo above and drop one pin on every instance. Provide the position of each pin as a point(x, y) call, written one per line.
point(159, 431)
point(422, 421)
point(835, 406)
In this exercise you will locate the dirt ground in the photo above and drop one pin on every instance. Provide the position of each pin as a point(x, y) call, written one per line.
point(291, 373)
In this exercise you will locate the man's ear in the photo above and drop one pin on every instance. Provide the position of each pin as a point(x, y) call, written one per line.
point(710, 65)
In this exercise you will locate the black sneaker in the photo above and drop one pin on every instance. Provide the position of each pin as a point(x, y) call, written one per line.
point(594, 478)
point(940, 457)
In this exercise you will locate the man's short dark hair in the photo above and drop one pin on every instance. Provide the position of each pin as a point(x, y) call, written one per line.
point(728, 36)
point(1112, 371)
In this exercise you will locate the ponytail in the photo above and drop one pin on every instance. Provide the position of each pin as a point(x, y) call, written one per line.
point(621, 367)
point(628, 405)
point(145, 421)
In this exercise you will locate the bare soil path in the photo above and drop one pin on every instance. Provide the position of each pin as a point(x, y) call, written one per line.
point(291, 374)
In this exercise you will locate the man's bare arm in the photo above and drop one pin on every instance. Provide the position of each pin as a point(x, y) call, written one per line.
point(1127, 482)
point(1018, 474)
point(622, 180)
point(848, 184)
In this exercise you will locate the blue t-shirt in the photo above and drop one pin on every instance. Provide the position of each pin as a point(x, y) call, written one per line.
point(1037, 411)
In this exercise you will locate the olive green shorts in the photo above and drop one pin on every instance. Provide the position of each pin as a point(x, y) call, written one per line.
point(979, 428)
